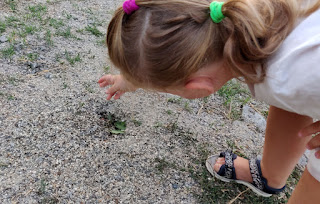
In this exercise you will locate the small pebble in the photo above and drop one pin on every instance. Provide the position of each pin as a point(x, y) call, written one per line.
point(48, 75)
point(175, 186)
point(3, 39)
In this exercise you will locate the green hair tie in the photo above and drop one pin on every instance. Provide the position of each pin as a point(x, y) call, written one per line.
point(216, 11)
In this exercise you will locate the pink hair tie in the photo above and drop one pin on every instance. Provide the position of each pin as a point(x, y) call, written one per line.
point(130, 6)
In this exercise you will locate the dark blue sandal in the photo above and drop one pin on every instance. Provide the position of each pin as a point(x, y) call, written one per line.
point(227, 173)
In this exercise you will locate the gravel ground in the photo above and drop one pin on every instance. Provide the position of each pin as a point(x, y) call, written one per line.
point(58, 134)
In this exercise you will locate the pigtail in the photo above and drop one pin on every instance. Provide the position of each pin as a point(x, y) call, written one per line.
point(114, 40)
point(309, 9)
point(256, 30)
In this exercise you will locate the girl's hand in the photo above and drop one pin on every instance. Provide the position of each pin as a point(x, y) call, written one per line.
point(118, 85)
point(314, 143)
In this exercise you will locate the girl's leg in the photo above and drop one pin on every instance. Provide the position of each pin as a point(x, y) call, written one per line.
point(307, 190)
point(282, 148)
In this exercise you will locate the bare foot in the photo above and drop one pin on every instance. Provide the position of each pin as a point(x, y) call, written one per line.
point(241, 166)
point(119, 85)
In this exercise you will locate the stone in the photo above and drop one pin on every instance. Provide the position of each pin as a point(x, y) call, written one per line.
point(251, 116)
point(48, 75)
point(3, 39)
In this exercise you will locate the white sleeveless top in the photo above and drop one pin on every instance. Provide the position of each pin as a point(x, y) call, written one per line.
point(292, 80)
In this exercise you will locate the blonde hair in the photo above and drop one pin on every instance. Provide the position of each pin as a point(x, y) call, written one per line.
point(165, 41)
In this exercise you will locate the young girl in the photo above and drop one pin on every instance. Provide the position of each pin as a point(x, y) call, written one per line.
point(191, 48)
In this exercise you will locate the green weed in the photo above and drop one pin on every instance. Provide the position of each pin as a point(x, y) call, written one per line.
point(120, 127)
point(187, 106)
point(55, 23)
point(137, 122)
point(32, 56)
point(158, 125)
point(8, 52)
point(13, 21)
point(102, 42)
point(12, 4)
point(3, 27)
point(175, 100)
point(94, 31)
point(88, 87)
point(72, 60)
point(42, 187)
point(106, 69)
point(162, 164)
point(234, 97)
point(48, 38)
point(11, 97)
point(38, 10)
point(28, 30)
point(65, 33)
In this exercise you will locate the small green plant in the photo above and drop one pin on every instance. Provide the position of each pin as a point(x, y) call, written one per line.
point(32, 56)
point(13, 21)
point(169, 112)
point(187, 106)
point(158, 125)
point(11, 97)
point(68, 15)
point(42, 187)
point(88, 87)
point(106, 69)
point(94, 31)
point(38, 11)
point(162, 164)
point(30, 29)
point(72, 60)
point(102, 42)
point(65, 33)
point(55, 23)
point(3, 27)
point(81, 31)
point(8, 52)
point(120, 127)
point(234, 97)
point(12, 4)
point(175, 100)
point(137, 122)
point(65, 85)
point(13, 80)
point(48, 38)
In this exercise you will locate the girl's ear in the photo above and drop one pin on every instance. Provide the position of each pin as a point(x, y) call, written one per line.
point(200, 83)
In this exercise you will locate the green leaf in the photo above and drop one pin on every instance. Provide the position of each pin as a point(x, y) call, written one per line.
point(120, 125)
point(117, 131)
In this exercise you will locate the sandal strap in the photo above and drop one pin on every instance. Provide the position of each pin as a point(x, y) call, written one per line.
point(258, 180)
point(256, 174)
point(228, 167)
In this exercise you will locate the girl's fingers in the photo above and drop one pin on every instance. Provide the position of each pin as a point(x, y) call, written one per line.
point(314, 143)
point(107, 79)
point(311, 129)
point(109, 96)
point(118, 95)
point(104, 84)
